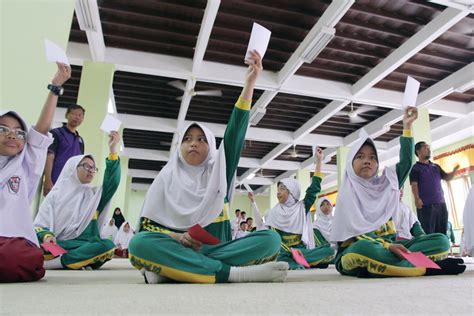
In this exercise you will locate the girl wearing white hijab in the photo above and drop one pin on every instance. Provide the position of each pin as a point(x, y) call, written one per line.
point(291, 219)
point(406, 222)
point(22, 158)
point(195, 187)
point(363, 227)
point(109, 230)
point(322, 223)
point(73, 211)
point(122, 240)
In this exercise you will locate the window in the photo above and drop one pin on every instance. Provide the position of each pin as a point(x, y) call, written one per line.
point(455, 194)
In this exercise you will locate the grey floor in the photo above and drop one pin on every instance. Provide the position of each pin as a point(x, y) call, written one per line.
point(118, 289)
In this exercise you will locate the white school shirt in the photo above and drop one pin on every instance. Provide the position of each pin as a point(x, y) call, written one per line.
point(18, 184)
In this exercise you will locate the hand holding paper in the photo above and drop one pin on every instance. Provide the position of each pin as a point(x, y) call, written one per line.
point(110, 124)
point(54, 249)
point(259, 39)
point(411, 92)
point(200, 234)
point(55, 53)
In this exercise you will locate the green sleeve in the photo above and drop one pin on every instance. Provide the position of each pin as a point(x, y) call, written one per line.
point(110, 183)
point(42, 233)
point(234, 138)
point(406, 158)
point(416, 230)
point(312, 192)
point(319, 238)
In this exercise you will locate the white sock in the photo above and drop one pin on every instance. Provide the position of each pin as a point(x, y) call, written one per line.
point(53, 264)
point(267, 272)
point(153, 278)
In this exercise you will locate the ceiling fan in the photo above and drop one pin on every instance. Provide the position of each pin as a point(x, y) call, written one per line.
point(178, 84)
point(354, 114)
point(294, 154)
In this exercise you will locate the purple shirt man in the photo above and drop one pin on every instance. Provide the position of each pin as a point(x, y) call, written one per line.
point(67, 143)
point(425, 180)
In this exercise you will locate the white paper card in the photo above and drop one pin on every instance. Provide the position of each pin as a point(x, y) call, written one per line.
point(55, 53)
point(314, 150)
point(411, 92)
point(110, 124)
point(248, 188)
point(259, 39)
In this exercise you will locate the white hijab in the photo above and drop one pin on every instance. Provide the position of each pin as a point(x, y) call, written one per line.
point(8, 165)
point(323, 222)
point(404, 220)
point(70, 206)
point(468, 222)
point(123, 238)
point(183, 195)
point(108, 230)
point(16, 215)
point(364, 205)
point(291, 216)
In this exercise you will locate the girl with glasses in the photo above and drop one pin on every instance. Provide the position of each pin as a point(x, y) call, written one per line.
point(74, 211)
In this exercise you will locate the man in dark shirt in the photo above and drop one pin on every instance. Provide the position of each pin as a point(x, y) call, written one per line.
point(425, 180)
point(67, 143)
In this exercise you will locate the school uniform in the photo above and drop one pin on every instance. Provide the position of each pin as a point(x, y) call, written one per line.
point(406, 223)
point(182, 196)
point(73, 213)
point(363, 226)
point(291, 220)
point(322, 225)
point(20, 256)
point(109, 231)
point(122, 240)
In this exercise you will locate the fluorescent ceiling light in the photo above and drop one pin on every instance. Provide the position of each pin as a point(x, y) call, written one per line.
point(318, 43)
point(250, 176)
point(87, 12)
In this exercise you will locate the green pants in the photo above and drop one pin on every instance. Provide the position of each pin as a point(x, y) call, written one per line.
point(319, 256)
point(366, 258)
point(162, 254)
point(93, 252)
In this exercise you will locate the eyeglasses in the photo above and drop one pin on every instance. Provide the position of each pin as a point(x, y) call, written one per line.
point(88, 168)
point(19, 133)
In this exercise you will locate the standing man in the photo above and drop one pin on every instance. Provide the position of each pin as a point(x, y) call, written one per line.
point(425, 180)
point(67, 143)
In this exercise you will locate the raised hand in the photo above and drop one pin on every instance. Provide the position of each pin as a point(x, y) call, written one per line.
point(62, 75)
point(114, 139)
point(410, 114)
point(255, 67)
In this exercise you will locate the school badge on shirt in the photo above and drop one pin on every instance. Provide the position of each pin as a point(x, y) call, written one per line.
point(14, 184)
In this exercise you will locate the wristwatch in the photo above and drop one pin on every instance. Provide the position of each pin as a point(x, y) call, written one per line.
point(57, 90)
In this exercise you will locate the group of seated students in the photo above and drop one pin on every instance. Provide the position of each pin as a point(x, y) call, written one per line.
point(195, 187)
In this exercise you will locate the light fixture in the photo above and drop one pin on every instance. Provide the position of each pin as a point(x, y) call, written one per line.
point(322, 37)
point(250, 176)
point(257, 114)
point(87, 13)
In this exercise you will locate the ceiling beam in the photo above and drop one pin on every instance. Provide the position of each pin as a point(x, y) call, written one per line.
point(181, 68)
point(87, 12)
point(409, 48)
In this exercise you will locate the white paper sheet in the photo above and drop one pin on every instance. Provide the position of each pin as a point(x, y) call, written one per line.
point(411, 92)
point(55, 53)
point(110, 124)
point(259, 39)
